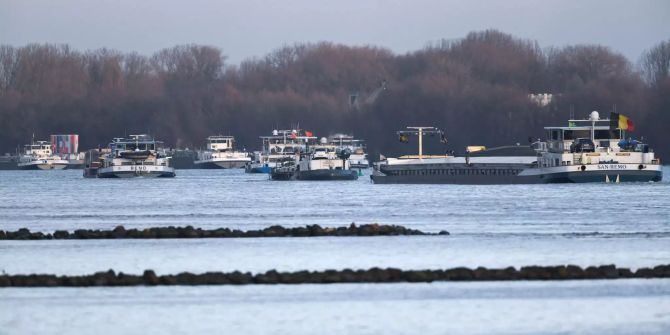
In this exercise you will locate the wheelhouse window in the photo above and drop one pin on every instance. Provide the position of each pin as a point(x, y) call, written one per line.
point(574, 134)
point(606, 134)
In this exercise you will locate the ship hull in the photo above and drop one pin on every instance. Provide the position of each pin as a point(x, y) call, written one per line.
point(283, 175)
point(47, 165)
point(75, 164)
point(229, 164)
point(359, 166)
point(258, 169)
point(600, 177)
point(326, 174)
point(91, 172)
point(134, 171)
point(510, 175)
point(596, 173)
point(456, 180)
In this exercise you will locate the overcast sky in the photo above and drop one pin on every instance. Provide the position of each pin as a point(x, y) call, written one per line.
point(247, 28)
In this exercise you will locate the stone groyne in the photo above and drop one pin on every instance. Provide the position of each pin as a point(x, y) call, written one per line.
point(374, 275)
point(121, 232)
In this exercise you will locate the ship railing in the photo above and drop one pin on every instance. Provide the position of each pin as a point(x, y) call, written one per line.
point(423, 156)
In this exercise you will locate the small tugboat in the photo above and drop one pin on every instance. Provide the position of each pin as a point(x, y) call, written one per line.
point(358, 158)
point(221, 155)
point(280, 145)
point(284, 169)
point(591, 150)
point(93, 160)
point(322, 162)
point(138, 156)
point(38, 156)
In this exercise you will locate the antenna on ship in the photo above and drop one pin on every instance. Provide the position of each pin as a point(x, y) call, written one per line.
point(593, 117)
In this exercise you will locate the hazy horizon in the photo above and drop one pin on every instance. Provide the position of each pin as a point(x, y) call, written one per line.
point(245, 29)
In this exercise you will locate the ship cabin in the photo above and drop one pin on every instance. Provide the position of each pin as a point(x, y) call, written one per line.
point(286, 142)
point(38, 148)
point(323, 151)
point(323, 156)
point(136, 143)
point(590, 141)
point(562, 139)
point(220, 143)
point(347, 141)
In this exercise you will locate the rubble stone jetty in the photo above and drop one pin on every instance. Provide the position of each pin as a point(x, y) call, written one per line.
point(121, 232)
point(373, 275)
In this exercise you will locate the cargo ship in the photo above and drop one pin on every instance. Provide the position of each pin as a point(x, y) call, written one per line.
point(587, 150)
point(323, 161)
point(137, 156)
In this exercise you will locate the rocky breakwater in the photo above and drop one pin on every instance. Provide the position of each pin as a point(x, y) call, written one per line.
point(374, 275)
point(121, 232)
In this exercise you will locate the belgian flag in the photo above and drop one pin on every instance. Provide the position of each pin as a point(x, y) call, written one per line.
point(618, 121)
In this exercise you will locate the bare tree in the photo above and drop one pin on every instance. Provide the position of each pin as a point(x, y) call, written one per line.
point(8, 64)
point(476, 87)
point(655, 63)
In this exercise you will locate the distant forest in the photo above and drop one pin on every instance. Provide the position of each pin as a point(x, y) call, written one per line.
point(475, 88)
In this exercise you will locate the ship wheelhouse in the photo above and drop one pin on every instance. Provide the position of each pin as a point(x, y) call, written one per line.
point(136, 143)
point(39, 149)
point(220, 143)
point(560, 139)
point(591, 141)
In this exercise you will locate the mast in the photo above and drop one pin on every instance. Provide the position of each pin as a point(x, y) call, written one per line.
point(593, 117)
point(420, 131)
point(420, 143)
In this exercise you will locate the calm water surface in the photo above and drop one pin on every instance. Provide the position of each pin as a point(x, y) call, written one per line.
point(494, 226)
point(572, 307)
point(49, 200)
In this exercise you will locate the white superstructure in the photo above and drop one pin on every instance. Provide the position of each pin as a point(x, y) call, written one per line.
point(137, 156)
point(358, 158)
point(607, 154)
point(276, 148)
point(323, 157)
point(38, 156)
point(220, 154)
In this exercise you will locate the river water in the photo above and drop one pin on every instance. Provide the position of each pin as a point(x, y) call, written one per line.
point(492, 225)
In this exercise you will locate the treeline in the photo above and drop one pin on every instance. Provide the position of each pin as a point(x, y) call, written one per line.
point(476, 88)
